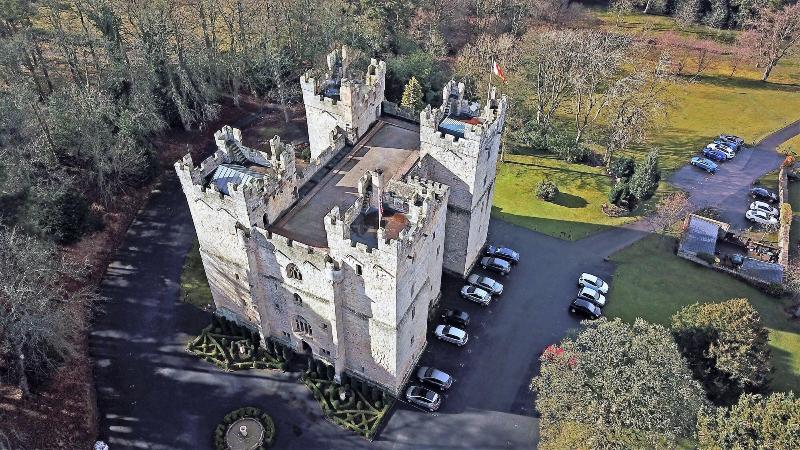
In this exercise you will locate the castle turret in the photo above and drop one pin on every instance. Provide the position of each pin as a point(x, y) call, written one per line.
point(342, 100)
point(459, 145)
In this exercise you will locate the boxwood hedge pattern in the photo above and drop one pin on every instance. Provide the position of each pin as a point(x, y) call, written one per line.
point(241, 413)
point(230, 346)
point(363, 408)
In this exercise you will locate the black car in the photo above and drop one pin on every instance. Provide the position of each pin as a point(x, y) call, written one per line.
point(498, 265)
point(455, 317)
point(434, 377)
point(764, 194)
point(502, 252)
point(586, 308)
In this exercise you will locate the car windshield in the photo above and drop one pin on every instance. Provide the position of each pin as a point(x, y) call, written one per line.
point(429, 372)
point(430, 396)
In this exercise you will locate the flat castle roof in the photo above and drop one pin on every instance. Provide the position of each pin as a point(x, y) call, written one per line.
point(391, 145)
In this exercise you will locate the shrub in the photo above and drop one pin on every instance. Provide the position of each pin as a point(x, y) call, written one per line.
point(62, 214)
point(621, 168)
point(546, 190)
point(788, 161)
point(775, 290)
point(709, 212)
point(708, 257)
point(620, 194)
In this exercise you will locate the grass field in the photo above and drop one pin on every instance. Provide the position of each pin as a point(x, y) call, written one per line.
point(575, 212)
point(194, 285)
point(652, 283)
point(713, 104)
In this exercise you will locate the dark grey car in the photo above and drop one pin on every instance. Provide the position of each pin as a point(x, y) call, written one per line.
point(498, 265)
point(423, 397)
point(434, 377)
point(486, 283)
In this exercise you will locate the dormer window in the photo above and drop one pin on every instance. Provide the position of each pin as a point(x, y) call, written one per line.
point(292, 271)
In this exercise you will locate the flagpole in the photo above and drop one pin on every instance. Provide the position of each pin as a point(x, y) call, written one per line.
point(489, 92)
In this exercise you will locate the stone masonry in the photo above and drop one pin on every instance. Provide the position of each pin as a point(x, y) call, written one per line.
point(348, 270)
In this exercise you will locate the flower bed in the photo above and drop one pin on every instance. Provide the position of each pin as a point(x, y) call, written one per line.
point(230, 346)
point(245, 413)
point(353, 405)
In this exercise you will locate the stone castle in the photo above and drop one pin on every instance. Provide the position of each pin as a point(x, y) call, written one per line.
point(341, 256)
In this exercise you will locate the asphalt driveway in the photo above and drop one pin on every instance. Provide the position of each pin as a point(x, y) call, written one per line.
point(152, 394)
point(728, 190)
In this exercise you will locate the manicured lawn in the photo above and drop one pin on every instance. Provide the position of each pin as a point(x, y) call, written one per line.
point(652, 283)
point(575, 212)
point(194, 285)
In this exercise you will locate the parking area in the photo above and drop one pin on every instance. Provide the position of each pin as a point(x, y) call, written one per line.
point(490, 404)
point(728, 189)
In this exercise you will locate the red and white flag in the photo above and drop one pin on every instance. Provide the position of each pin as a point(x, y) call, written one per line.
point(498, 71)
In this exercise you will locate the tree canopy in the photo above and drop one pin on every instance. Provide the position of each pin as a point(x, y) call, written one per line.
point(754, 421)
point(625, 382)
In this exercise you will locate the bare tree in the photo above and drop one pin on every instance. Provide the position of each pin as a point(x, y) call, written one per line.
point(672, 208)
point(41, 310)
point(772, 34)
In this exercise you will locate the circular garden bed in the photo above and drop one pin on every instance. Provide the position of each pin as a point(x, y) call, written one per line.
point(245, 429)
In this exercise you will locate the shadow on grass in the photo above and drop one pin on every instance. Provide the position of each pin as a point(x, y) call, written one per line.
point(561, 229)
point(748, 83)
point(570, 201)
point(784, 377)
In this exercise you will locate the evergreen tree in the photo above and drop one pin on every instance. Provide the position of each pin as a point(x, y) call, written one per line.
point(412, 95)
point(646, 175)
point(727, 347)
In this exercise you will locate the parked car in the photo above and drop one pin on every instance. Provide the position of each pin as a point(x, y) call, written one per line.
point(455, 317)
point(731, 138)
point(434, 377)
point(486, 283)
point(476, 295)
point(423, 397)
point(592, 295)
point(449, 333)
point(761, 193)
point(586, 308)
point(498, 265)
point(760, 217)
point(714, 154)
point(502, 253)
point(729, 153)
point(593, 282)
point(766, 207)
point(705, 164)
point(733, 146)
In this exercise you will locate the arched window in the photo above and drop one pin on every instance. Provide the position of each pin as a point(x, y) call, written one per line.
point(302, 326)
point(298, 299)
point(292, 271)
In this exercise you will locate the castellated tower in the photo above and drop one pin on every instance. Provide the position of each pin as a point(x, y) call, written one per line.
point(459, 146)
point(342, 101)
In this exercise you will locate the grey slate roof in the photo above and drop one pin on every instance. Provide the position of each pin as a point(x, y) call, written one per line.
point(765, 271)
point(232, 173)
point(701, 236)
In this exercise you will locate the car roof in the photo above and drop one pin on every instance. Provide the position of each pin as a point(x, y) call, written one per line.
point(589, 290)
point(458, 332)
point(584, 303)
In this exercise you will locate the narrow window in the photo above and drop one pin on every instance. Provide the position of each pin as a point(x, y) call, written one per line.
point(413, 310)
point(236, 275)
point(298, 300)
point(359, 269)
point(412, 340)
point(302, 326)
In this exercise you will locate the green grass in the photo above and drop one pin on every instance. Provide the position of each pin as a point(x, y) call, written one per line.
point(652, 283)
point(194, 285)
point(575, 212)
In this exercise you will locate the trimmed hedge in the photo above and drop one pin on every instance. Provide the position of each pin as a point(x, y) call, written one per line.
point(249, 412)
point(231, 346)
point(363, 408)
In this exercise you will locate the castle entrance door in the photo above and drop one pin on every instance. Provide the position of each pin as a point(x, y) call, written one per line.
point(305, 347)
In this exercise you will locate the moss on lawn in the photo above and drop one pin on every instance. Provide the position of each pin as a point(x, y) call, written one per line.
point(194, 284)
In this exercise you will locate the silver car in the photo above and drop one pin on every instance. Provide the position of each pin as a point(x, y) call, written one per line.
point(486, 283)
point(451, 334)
point(765, 207)
point(593, 282)
point(592, 295)
point(423, 397)
point(476, 295)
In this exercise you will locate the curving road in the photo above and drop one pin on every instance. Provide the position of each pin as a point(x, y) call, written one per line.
point(152, 394)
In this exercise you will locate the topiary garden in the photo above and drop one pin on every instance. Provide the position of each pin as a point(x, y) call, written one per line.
point(231, 346)
point(259, 430)
point(354, 404)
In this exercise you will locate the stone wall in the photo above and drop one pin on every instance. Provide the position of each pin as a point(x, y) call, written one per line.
point(784, 233)
point(395, 110)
